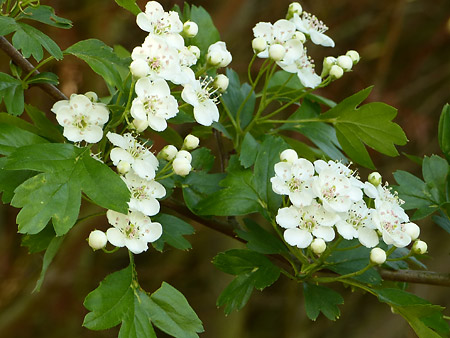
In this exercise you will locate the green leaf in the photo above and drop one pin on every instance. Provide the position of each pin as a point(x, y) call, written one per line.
point(370, 124)
point(39, 242)
point(302, 149)
point(286, 86)
point(50, 253)
point(31, 40)
point(10, 180)
point(7, 25)
point(171, 136)
point(46, 77)
point(11, 91)
point(442, 221)
point(202, 159)
point(101, 58)
point(56, 192)
point(136, 322)
point(321, 299)
point(235, 96)
point(444, 131)
point(13, 137)
point(198, 186)
point(249, 151)
point(253, 270)
point(6, 118)
point(44, 14)
point(173, 231)
point(260, 240)
point(435, 171)
point(44, 126)
point(129, 5)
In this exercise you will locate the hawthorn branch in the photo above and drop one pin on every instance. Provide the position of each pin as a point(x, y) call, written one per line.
point(23, 63)
point(415, 276)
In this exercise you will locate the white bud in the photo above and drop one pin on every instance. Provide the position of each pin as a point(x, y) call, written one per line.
point(413, 230)
point(184, 154)
point(345, 62)
point(191, 142)
point(214, 58)
point(377, 256)
point(318, 246)
point(195, 51)
point(336, 72)
point(181, 166)
point(295, 8)
point(168, 153)
point(139, 68)
point(420, 247)
point(123, 167)
point(354, 55)
point(221, 82)
point(190, 29)
point(97, 239)
point(288, 155)
point(140, 125)
point(276, 52)
point(299, 36)
point(92, 96)
point(259, 45)
point(328, 62)
point(375, 178)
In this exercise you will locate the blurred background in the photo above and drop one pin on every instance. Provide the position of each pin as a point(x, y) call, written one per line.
point(405, 52)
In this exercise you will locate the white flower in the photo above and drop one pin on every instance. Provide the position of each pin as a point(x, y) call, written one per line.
point(134, 230)
point(310, 25)
point(288, 155)
point(218, 55)
point(97, 239)
point(294, 179)
point(200, 96)
point(357, 223)
point(304, 223)
point(81, 118)
point(391, 226)
point(154, 103)
point(129, 150)
point(144, 194)
point(303, 66)
point(386, 200)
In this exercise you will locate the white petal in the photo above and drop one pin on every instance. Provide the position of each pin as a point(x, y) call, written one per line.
point(301, 198)
point(136, 246)
point(326, 233)
point(157, 123)
point(298, 237)
point(153, 232)
point(119, 154)
point(321, 39)
point(149, 207)
point(287, 217)
point(93, 134)
point(206, 113)
point(115, 237)
point(368, 237)
point(144, 169)
point(308, 78)
point(346, 230)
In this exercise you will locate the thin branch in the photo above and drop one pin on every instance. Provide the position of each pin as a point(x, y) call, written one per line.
point(23, 63)
point(415, 276)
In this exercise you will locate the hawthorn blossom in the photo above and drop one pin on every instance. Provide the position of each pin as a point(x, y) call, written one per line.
point(81, 118)
point(154, 103)
point(392, 229)
point(129, 150)
point(303, 66)
point(200, 96)
point(134, 230)
point(310, 25)
point(385, 199)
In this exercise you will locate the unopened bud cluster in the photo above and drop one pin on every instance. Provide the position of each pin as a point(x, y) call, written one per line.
point(336, 67)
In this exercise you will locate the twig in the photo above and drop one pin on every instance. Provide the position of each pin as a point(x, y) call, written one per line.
point(415, 276)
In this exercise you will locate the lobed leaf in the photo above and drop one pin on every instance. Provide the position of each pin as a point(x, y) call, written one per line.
point(44, 14)
point(321, 299)
point(174, 229)
point(11, 92)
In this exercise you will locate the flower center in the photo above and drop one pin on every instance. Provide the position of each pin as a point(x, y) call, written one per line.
point(131, 231)
point(314, 23)
point(139, 193)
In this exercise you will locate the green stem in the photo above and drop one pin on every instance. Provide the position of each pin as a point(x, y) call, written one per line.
point(446, 317)
point(249, 69)
point(230, 116)
point(344, 277)
point(39, 65)
point(133, 266)
point(82, 219)
point(165, 176)
point(262, 120)
point(110, 251)
point(401, 258)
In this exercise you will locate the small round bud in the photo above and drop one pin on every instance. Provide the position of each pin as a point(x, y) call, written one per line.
point(191, 142)
point(299, 36)
point(276, 52)
point(190, 29)
point(123, 167)
point(413, 230)
point(354, 55)
point(420, 247)
point(345, 62)
point(375, 178)
point(140, 125)
point(318, 246)
point(336, 72)
point(181, 166)
point(221, 82)
point(168, 153)
point(259, 45)
point(195, 50)
point(288, 155)
point(92, 96)
point(184, 154)
point(328, 62)
point(97, 239)
point(139, 68)
point(295, 8)
point(377, 256)
point(214, 59)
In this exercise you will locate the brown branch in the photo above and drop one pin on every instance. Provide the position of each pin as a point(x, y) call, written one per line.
point(23, 63)
point(415, 276)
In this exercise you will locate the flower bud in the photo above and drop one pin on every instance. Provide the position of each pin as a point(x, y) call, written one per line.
point(139, 68)
point(97, 239)
point(295, 8)
point(377, 256)
point(190, 29)
point(168, 153)
point(191, 142)
point(195, 51)
point(318, 246)
point(288, 155)
point(420, 247)
point(413, 230)
point(276, 52)
point(336, 72)
point(259, 45)
point(328, 62)
point(184, 154)
point(221, 83)
point(354, 55)
point(91, 96)
point(140, 125)
point(214, 59)
point(299, 36)
point(181, 166)
point(345, 62)
point(123, 167)
point(375, 178)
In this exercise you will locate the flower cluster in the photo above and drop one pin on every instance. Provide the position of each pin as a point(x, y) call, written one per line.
point(164, 57)
point(328, 196)
point(284, 42)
